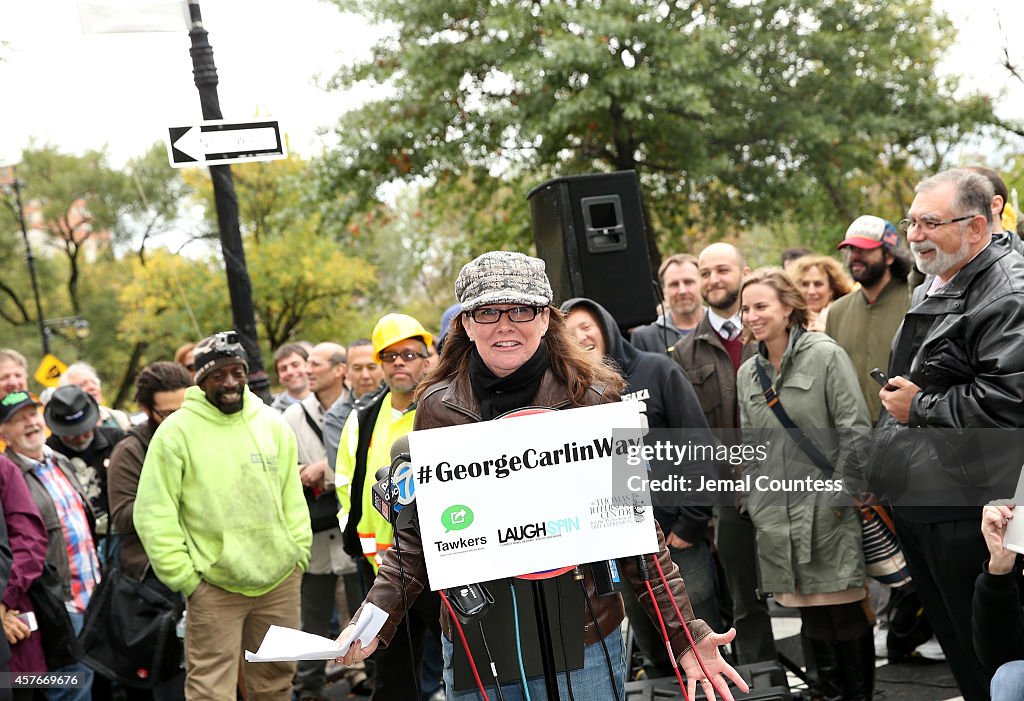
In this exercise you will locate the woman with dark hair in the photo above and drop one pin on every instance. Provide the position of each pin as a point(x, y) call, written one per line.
point(809, 542)
point(822, 281)
point(510, 349)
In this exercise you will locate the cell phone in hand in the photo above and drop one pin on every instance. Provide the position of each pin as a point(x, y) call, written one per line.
point(29, 619)
point(878, 376)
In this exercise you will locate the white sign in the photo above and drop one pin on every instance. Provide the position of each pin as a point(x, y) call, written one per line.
point(116, 16)
point(528, 494)
point(217, 142)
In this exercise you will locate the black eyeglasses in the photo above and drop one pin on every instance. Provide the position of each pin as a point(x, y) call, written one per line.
point(163, 414)
point(491, 315)
point(406, 355)
point(929, 225)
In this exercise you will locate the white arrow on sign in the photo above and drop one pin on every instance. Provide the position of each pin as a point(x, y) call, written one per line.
point(217, 142)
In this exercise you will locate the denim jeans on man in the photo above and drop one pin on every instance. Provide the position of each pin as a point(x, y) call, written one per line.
point(1008, 682)
point(84, 674)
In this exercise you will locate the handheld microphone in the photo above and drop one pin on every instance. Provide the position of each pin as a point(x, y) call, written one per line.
point(394, 493)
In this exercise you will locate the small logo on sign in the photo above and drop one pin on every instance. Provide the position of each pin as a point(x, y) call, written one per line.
point(457, 517)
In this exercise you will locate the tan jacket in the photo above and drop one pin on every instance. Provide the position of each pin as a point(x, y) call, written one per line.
point(451, 403)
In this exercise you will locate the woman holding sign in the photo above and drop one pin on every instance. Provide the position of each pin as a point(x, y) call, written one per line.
point(510, 349)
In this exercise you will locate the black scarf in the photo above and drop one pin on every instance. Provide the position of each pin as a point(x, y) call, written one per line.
point(499, 395)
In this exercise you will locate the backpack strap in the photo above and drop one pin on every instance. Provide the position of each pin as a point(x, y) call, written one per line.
point(771, 397)
point(312, 423)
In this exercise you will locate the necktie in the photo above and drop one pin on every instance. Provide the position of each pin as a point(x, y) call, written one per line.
point(729, 330)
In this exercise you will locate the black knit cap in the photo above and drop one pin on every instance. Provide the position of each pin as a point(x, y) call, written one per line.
point(216, 351)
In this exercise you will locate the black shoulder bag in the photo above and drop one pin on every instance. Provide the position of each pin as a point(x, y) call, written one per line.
point(60, 644)
point(129, 631)
point(323, 508)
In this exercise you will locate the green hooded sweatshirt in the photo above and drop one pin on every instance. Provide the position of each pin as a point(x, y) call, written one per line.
point(220, 500)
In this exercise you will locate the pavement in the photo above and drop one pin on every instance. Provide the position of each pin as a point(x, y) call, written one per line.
point(920, 680)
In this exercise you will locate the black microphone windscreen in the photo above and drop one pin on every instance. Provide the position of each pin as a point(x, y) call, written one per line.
point(400, 447)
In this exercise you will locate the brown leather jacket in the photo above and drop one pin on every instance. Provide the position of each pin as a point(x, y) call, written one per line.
point(451, 403)
point(709, 368)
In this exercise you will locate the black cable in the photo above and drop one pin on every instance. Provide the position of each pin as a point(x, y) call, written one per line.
point(405, 599)
point(561, 635)
point(490, 659)
point(600, 636)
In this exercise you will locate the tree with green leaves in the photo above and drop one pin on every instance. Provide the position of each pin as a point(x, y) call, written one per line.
point(76, 202)
point(732, 113)
point(302, 282)
point(159, 194)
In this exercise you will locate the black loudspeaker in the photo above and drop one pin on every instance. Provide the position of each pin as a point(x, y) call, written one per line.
point(589, 230)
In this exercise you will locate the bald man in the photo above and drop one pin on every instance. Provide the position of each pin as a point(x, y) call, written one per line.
point(711, 355)
point(325, 369)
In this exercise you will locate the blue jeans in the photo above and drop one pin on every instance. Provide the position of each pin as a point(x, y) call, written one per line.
point(591, 682)
point(83, 692)
point(1008, 682)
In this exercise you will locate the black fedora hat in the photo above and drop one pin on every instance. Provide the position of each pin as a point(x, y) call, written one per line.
point(71, 412)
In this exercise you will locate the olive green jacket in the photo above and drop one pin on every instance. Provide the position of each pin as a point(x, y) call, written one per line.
point(808, 537)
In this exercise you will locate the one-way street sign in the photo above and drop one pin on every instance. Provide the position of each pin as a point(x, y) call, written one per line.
point(219, 142)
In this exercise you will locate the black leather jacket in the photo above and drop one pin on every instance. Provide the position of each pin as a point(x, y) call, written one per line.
point(964, 346)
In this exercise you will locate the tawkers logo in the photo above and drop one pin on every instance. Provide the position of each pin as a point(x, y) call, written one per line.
point(536, 531)
point(456, 518)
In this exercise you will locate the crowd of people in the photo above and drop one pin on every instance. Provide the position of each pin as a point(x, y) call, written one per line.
point(251, 514)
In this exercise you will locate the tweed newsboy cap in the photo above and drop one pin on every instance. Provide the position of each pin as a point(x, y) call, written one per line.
point(503, 277)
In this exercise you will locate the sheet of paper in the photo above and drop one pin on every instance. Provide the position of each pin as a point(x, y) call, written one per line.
point(289, 645)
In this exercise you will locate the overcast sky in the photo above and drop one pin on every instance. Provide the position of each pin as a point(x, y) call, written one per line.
point(122, 91)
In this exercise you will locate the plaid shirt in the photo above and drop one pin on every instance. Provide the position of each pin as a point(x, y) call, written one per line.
point(82, 560)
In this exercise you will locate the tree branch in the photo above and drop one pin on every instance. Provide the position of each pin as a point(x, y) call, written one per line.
point(17, 303)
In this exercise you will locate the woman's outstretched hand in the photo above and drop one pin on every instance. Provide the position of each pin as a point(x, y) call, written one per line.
point(715, 685)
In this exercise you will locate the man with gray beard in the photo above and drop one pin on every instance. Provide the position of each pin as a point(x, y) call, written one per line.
point(956, 369)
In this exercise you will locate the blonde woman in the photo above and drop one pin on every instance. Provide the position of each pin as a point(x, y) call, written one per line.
point(822, 281)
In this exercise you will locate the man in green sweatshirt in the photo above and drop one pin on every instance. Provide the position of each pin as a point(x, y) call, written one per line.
point(221, 515)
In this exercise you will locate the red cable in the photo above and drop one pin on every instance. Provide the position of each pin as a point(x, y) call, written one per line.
point(686, 628)
point(668, 645)
point(465, 645)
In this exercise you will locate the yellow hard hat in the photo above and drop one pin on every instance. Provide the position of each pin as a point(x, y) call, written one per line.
point(393, 328)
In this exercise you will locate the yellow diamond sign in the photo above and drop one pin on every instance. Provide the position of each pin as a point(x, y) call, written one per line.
point(50, 370)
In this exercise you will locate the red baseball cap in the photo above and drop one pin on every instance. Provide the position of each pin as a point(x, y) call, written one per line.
point(870, 232)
